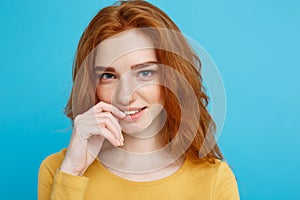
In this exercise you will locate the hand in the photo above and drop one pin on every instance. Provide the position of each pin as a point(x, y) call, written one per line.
point(90, 129)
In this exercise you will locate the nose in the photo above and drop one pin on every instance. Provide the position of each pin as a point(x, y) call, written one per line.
point(125, 91)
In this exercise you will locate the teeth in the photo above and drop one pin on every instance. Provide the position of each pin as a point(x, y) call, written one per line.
point(131, 112)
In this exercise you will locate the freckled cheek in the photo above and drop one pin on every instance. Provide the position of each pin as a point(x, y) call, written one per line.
point(105, 93)
point(153, 94)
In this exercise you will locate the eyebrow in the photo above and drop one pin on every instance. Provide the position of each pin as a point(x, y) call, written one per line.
point(143, 65)
point(104, 69)
point(133, 67)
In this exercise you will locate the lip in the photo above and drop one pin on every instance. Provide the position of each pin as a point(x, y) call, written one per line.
point(128, 109)
point(136, 116)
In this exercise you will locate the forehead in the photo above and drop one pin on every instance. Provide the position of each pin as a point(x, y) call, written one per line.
point(122, 44)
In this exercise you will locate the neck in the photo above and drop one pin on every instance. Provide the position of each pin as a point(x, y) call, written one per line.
point(141, 145)
point(138, 155)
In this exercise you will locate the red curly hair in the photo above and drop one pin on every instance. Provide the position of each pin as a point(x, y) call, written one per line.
point(126, 15)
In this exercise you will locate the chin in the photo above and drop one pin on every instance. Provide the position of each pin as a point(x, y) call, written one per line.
point(134, 128)
point(132, 131)
point(148, 126)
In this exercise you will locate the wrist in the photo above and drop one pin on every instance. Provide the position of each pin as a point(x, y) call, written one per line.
point(69, 170)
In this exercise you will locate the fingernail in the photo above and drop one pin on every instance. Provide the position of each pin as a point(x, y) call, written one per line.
point(118, 142)
point(123, 114)
point(122, 137)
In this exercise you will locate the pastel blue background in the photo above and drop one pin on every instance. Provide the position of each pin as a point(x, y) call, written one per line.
point(254, 43)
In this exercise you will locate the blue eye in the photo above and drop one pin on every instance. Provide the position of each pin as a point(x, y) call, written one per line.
point(146, 73)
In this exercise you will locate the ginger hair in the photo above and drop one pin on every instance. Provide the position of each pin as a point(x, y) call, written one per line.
point(126, 15)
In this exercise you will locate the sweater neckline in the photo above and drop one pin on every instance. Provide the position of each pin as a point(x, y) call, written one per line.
point(142, 183)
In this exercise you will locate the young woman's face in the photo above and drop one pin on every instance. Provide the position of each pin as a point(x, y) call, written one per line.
point(128, 77)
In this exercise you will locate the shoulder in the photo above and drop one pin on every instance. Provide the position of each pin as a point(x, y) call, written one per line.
point(224, 181)
point(55, 157)
point(217, 177)
point(223, 170)
point(218, 171)
point(218, 168)
point(52, 162)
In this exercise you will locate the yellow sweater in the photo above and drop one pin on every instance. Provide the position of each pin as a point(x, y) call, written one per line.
point(191, 182)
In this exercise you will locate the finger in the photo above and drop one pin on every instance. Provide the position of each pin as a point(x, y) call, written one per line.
point(105, 119)
point(113, 120)
point(104, 132)
point(102, 106)
point(95, 130)
point(111, 126)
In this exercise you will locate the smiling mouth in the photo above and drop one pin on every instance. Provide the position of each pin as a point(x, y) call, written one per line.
point(133, 112)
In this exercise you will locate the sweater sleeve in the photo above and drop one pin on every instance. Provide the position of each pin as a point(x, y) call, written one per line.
point(225, 184)
point(55, 185)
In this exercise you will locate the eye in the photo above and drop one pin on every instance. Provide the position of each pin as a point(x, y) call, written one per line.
point(106, 76)
point(145, 74)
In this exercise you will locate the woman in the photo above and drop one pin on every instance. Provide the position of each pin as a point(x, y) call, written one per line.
point(140, 124)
